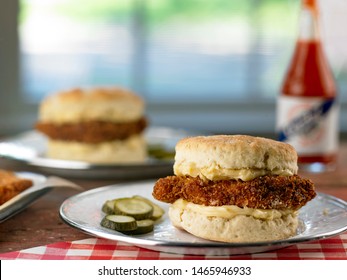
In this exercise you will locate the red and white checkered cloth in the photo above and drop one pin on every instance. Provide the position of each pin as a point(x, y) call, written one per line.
point(101, 249)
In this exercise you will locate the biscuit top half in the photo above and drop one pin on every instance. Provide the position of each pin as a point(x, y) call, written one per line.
point(225, 157)
point(112, 104)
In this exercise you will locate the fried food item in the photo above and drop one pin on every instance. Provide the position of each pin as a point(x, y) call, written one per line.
point(93, 131)
point(96, 125)
point(266, 192)
point(235, 188)
point(11, 185)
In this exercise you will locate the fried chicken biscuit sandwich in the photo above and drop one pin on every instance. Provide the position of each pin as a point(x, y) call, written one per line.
point(98, 125)
point(235, 188)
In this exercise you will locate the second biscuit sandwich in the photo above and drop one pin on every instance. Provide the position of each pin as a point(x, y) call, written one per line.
point(97, 125)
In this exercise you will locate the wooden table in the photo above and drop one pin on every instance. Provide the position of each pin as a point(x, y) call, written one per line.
point(40, 224)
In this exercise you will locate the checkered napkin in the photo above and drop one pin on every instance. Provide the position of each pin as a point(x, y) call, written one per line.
point(101, 249)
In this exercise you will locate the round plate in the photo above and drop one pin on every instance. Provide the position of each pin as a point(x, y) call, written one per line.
point(323, 217)
point(28, 150)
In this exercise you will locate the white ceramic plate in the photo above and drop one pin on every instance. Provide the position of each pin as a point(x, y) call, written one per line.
point(27, 150)
point(323, 217)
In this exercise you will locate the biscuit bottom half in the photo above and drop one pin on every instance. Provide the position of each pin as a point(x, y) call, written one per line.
point(238, 228)
point(130, 150)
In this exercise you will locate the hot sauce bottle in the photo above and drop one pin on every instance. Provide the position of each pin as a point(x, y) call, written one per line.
point(307, 109)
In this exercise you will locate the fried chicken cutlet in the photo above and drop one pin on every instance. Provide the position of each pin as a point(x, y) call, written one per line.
point(266, 192)
point(11, 185)
point(92, 131)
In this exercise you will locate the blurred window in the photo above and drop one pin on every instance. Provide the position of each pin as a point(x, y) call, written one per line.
point(187, 50)
point(183, 52)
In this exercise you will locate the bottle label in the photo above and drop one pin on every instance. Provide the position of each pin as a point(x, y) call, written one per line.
point(310, 125)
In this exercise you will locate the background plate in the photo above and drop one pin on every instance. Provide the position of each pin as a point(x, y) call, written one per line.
point(21, 201)
point(41, 185)
point(27, 151)
point(323, 217)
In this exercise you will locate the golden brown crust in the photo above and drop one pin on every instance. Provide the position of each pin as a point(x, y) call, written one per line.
point(233, 157)
point(266, 192)
point(92, 131)
point(11, 185)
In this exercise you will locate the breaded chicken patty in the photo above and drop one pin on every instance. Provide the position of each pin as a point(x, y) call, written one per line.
point(266, 192)
point(92, 131)
point(11, 185)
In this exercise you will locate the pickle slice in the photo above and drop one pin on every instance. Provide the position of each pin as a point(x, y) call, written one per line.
point(158, 212)
point(119, 223)
point(133, 207)
point(143, 226)
point(108, 207)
